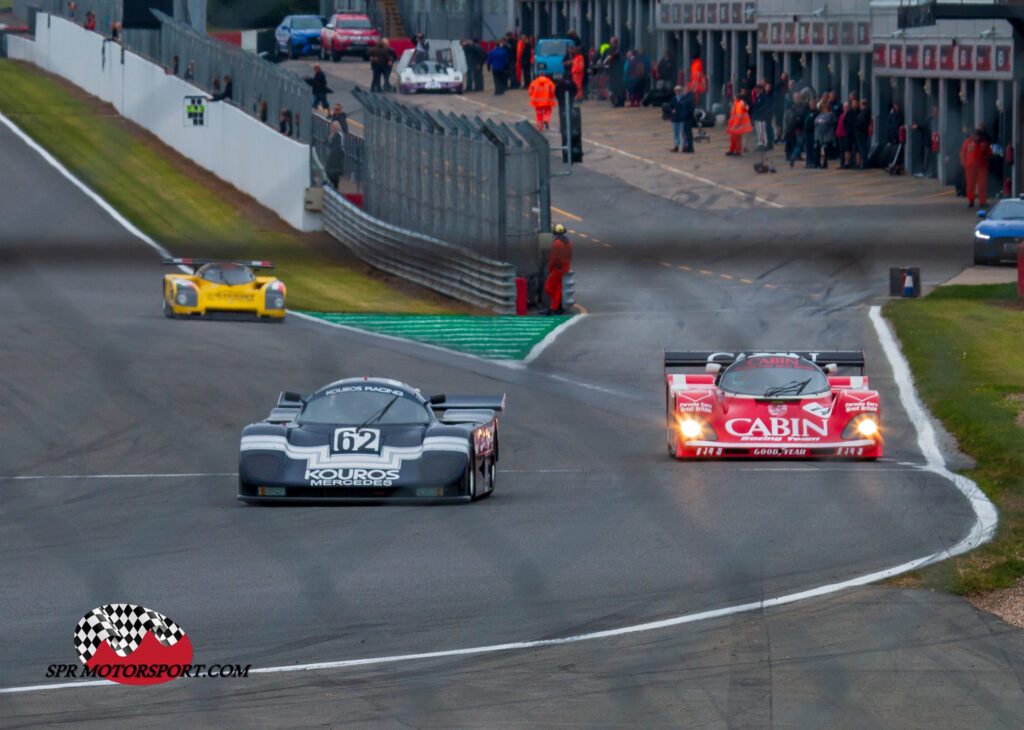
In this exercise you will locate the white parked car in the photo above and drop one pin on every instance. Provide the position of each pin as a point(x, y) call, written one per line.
point(444, 69)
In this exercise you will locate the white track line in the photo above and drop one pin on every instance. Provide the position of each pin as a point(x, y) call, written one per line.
point(684, 173)
point(94, 196)
point(638, 158)
point(549, 338)
point(118, 476)
point(982, 531)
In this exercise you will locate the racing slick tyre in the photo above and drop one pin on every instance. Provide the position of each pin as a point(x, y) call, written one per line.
point(469, 479)
point(168, 312)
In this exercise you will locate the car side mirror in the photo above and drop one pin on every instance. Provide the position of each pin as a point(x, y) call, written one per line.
point(982, 213)
point(831, 368)
point(712, 368)
point(439, 398)
point(292, 396)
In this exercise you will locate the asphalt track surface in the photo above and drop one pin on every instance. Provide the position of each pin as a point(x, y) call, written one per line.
point(592, 526)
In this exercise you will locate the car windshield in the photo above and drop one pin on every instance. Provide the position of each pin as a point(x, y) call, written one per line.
point(552, 48)
point(430, 67)
point(1007, 210)
point(230, 274)
point(773, 376)
point(356, 405)
point(306, 22)
point(354, 24)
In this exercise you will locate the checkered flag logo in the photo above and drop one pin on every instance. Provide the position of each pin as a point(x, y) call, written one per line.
point(123, 626)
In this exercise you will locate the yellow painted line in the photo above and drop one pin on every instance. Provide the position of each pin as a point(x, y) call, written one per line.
point(646, 261)
point(746, 281)
point(567, 214)
point(583, 310)
point(943, 194)
point(725, 276)
point(571, 231)
point(606, 245)
point(666, 263)
point(686, 268)
point(597, 240)
point(583, 235)
point(706, 273)
point(769, 286)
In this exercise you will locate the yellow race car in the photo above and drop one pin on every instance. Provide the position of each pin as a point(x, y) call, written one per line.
point(227, 289)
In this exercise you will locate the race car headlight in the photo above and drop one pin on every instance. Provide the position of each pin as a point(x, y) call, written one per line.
point(692, 427)
point(982, 236)
point(862, 426)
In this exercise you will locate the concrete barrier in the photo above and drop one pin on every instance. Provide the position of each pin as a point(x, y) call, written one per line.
point(231, 144)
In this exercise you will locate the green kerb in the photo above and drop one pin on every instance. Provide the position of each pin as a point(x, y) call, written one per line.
point(495, 338)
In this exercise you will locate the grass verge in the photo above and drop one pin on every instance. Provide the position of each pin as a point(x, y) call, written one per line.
point(189, 210)
point(965, 345)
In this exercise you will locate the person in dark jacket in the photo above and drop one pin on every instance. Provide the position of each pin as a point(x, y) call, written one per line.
point(616, 75)
point(498, 62)
point(824, 134)
point(378, 65)
point(476, 57)
point(319, 83)
point(862, 133)
point(226, 92)
point(760, 114)
point(849, 151)
point(892, 132)
point(681, 109)
point(666, 71)
point(565, 85)
point(811, 160)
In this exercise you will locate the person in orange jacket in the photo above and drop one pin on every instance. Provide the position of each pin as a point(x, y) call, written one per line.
point(519, 60)
point(577, 73)
point(974, 156)
point(559, 263)
point(739, 124)
point(698, 81)
point(542, 99)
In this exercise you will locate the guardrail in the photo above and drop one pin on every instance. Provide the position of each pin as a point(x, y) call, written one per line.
point(440, 266)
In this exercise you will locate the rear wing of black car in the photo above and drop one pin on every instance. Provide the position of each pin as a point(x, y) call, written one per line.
point(444, 402)
point(196, 263)
point(288, 406)
point(841, 358)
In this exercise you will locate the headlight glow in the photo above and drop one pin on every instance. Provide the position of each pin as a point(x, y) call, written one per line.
point(690, 429)
point(182, 299)
point(867, 427)
point(982, 236)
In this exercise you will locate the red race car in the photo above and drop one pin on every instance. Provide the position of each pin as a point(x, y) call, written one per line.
point(349, 34)
point(770, 405)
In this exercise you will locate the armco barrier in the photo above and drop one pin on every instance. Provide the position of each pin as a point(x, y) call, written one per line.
point(233, 145)
point(437, 265)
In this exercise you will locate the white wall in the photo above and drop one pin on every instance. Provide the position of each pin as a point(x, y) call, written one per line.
point(236, 147)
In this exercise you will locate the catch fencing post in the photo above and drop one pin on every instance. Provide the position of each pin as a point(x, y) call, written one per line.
point(495, 139)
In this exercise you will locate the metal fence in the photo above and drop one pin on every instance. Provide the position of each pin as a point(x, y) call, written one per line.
point(255, 81)
point(437, 265)
point(339, 161)
point(475, 183)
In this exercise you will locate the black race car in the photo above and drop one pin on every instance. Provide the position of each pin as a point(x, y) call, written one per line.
point(371, 440)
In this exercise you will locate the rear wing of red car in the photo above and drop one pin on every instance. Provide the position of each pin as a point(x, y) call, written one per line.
point(196, 263)
point(842, 358)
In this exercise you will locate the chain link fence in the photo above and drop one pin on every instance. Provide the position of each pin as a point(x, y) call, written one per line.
point(475, 183)
point(344, 161)
point(258, 86)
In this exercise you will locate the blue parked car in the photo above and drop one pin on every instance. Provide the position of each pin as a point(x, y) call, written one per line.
point(298, 35)
point(997, 235)
point(548, 56)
